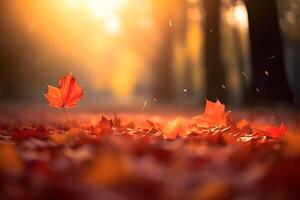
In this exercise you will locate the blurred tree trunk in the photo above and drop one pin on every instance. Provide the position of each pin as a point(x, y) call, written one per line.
point(215, 72)
point(163, 64)
point(296, 70)
point(9, 63)
point(267, 54)
point(238, 50)
point(182, 28)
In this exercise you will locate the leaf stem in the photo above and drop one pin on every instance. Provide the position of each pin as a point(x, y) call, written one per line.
point(66, 115)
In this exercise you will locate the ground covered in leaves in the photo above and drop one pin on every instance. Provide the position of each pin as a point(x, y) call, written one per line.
point(215, 155)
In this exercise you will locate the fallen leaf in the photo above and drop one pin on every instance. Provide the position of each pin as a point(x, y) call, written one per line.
point(214, 115)
point(10, 162)
point(104, 127)
point(242, 124)
point(176, 127)
point(108, 169)
point(27, 133)
point(67, 95)
point(60, 138)
point(271, 131)
point(117, 121)
point(276, 132)
point(293, 144)
point(78, 155)
point(213, 190)
point(244, 127)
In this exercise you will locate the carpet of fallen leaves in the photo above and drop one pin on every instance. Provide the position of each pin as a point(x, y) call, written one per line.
point(209, 156)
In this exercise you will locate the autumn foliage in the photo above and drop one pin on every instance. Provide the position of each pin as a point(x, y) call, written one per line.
point(216, 121)
point(214, 115)
point(209, 156)
point(66, 95)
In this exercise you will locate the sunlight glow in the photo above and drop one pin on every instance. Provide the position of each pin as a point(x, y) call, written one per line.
point(106, 10)
point(113, 25)
point(237, 16)
point(241, 16)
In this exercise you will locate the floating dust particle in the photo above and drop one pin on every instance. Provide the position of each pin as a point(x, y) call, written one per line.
point(223, 86)
point(245, 75)
point(257, 90)
point(170, 23)
point(272, 57)
point(267, 73)
point(210, 30)
point(155, 99)
point(185, 90)
point(145, 103)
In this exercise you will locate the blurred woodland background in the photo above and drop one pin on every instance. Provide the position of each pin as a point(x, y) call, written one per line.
point(175, 52)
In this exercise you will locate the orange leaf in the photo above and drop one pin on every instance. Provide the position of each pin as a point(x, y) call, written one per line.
point(214, 115)
point(276, 132)
point(67, 95)
point(175, 128)
point(104, 126)
point(244, 127)
point(108, 169)
point(270, 131)
point(10, 162)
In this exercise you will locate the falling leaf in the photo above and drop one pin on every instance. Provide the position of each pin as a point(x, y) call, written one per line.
point(214, 115)
point(66, 95)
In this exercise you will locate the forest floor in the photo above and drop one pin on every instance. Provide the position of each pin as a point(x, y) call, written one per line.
point(250, 155)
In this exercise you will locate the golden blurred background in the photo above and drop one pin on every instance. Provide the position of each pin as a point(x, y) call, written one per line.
point(112, 47)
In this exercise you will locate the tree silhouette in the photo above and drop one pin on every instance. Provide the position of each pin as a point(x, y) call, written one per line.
point(215, 73)
point(269, 83)
point(163, 61)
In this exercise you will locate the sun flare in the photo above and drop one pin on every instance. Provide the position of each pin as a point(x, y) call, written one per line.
point(237, 16)
point(98, 8)
point(107, 11)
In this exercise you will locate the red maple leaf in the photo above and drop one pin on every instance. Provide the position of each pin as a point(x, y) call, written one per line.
point(66, 95)
point(214, 115)
point(270, 131)
point(276, 132)
point(104, 126)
